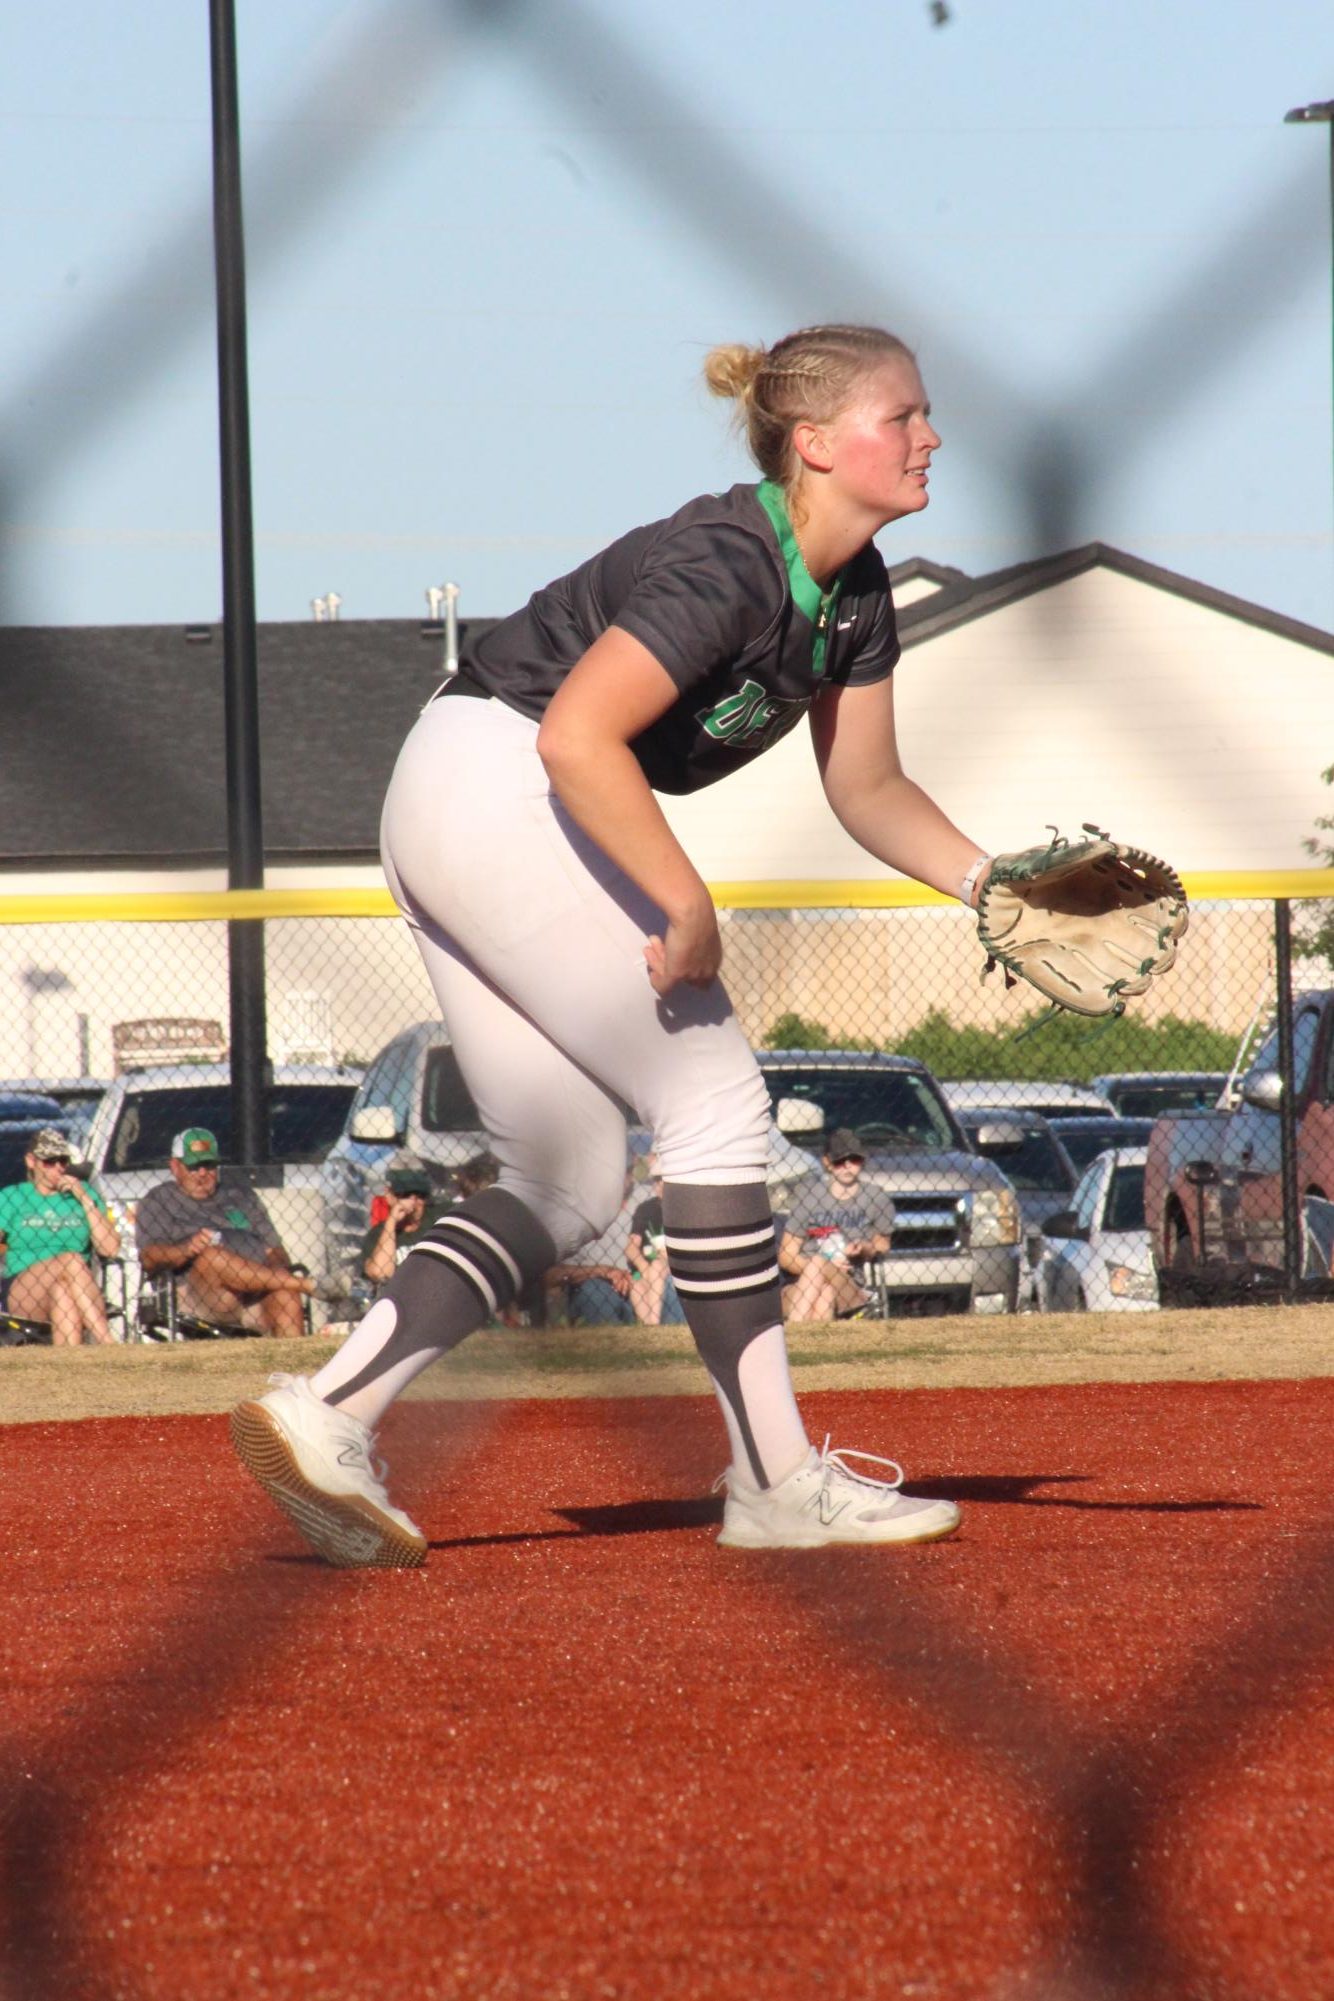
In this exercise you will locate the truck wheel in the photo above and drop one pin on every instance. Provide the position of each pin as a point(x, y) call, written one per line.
point(1183, 1251)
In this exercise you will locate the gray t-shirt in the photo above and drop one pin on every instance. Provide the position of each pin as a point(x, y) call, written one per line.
point(167, 1215)
point(826, 1225)
point(720, 596)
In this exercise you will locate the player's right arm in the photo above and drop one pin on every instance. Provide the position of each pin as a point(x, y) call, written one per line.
point(608, 698)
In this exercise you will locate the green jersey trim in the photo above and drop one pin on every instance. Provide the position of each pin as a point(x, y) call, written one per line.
point(813, 603)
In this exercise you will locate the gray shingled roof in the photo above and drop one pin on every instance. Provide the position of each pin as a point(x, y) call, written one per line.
point(114, 751)
point(114, 748)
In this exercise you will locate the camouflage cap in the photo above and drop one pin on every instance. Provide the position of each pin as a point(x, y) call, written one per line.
point(51, 1144)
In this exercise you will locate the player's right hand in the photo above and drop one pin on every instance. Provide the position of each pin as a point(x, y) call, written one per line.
point(691, 950)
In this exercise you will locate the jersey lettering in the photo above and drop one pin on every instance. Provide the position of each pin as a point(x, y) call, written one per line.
point(752, 717)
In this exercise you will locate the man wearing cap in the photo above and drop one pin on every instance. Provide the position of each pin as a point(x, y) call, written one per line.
point(216, 1233)
point(49, 1224)
point(386, 1242)
point(832, 1223)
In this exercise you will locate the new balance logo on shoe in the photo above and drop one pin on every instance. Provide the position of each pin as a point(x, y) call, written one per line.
point(832, 1497)
point(829, 1508)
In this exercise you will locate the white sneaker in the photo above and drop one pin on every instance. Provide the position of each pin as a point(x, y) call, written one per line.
point(315, 1462)
point(825, 1501)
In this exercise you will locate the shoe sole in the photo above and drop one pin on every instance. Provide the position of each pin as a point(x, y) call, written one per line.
point(748, 1536)
point(346, 1530)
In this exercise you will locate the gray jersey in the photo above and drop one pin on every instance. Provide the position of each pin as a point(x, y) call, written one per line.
point(167, 1215)
point(720, 596)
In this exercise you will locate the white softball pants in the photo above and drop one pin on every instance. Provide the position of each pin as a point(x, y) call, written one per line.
point(534, 943)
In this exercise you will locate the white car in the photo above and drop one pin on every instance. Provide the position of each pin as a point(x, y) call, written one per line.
point(1097, 1256)
point(1049, 1097)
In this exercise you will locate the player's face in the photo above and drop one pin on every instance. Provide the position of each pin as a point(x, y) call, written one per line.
point(881, 443)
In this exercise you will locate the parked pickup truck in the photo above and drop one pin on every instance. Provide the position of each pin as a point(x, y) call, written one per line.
point(1213, 1197)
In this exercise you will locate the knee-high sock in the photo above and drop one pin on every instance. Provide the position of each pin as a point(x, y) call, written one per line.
point(722, 1253)
point(467, 1266)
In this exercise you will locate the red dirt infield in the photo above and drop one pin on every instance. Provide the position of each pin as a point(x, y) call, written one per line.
point(1082, 1752)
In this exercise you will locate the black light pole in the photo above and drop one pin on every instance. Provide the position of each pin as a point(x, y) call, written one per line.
point(245, 831)
point(1293, 1234)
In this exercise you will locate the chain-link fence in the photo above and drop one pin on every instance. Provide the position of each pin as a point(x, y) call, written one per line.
point(1010, 1161)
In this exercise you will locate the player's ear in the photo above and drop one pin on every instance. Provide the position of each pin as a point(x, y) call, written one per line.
point(811, 446)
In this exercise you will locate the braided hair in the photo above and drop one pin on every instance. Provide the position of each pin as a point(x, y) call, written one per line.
point(806, 375)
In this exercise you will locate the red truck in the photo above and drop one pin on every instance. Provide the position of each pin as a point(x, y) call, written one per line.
point(1213, 1197)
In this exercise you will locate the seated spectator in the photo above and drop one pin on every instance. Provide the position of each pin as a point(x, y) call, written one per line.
point(832, 1225)
point(596, 1281)
point(50, 1222)
point(215, 1232)
point(474, 1175)
point(652, 1287)
point(411, 1207)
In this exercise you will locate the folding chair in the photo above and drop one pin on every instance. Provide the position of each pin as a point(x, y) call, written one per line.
point(159, 1316)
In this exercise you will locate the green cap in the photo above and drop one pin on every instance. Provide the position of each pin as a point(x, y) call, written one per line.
point(195, 1147)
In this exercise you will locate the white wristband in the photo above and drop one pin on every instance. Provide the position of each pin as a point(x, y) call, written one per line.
point(969, 883)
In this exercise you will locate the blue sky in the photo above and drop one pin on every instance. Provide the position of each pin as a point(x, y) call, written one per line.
point(489, 245)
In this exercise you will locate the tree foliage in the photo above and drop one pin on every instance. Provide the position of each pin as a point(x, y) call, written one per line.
point(1066, 1046)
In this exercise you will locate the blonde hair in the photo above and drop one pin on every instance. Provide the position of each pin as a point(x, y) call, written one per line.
point(808, 375)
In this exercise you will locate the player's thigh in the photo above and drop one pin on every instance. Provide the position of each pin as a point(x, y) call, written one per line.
point(485, 861)
point(557, 1132)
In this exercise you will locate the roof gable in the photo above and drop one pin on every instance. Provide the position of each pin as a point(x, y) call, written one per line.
point(962, 598)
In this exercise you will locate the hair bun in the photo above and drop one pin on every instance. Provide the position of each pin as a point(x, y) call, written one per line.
point(731, 370)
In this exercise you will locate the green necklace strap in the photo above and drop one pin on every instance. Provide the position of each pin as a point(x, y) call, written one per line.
point(816, 605)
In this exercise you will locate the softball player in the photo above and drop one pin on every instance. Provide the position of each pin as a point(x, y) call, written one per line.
point(575, 950)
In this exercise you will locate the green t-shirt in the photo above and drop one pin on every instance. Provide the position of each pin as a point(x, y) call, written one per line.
point(41, 1226)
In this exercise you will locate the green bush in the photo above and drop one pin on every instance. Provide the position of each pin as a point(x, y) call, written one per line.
point(1067, 1045)
point(795, 1031)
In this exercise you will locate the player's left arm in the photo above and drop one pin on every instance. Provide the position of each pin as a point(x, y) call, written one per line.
point(885, 811)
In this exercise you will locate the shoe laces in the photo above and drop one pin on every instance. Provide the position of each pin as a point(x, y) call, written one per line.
point(834, 1465)
point(348, 1432)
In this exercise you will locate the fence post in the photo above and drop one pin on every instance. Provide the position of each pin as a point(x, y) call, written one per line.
point(1287, 1106)
point(245, 834)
